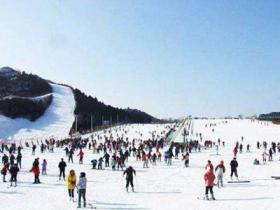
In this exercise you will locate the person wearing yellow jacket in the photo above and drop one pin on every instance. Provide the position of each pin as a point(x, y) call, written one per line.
point(71, 184)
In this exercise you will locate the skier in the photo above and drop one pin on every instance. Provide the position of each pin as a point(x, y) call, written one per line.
point(100, 161)
point(5, 159)
point(270, 152)
point(248, 148)
point(4, 171)
point(33, 149)
point(14, 171)
point(129, 177)
point(217, 149)
point(154, 158)
point(81, 155)
point(82, 185)
point(44, 167)
point(70, 155)
point(19, 157)
point(209, 178)
point(145, 160)
point(233, 167)
point(209, 165)
point(94, 163)
point(220, 169)
point(235, 150)
point(12, 159)
point(62, 165)
point(36, 170)
point(264, 156)
point(107, 159)
point(187, 159)
point(240, 148)
point(71, 184)
point(113, 164)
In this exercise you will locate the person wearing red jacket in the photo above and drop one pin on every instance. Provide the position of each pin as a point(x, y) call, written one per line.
point(36, 170)
point(209, 178)
point(81, 155)
point(4, 171)
point(145, 160)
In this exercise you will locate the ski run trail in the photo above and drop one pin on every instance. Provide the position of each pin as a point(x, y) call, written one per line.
point(159, 187)
point(56, 121)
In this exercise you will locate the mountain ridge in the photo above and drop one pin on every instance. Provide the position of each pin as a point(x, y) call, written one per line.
point(89, 110)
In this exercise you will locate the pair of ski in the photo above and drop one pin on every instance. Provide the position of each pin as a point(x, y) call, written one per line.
point(239, 181)
point(206, 199)
point(88, 206)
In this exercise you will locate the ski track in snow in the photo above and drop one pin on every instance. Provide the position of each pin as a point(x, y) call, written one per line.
point(159, 187)
point(56, 121)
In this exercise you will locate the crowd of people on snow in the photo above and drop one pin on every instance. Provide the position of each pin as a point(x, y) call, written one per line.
point(115, 151)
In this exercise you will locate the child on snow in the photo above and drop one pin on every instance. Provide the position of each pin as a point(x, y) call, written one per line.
point(264, 157)
point(220, 169)
point(94, 163)
point(4, 171)
point(187, 159)
point(44, 167)
point(113, 164)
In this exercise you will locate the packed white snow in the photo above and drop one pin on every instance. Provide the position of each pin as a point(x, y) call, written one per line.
point(160, 187)
point(56, 121)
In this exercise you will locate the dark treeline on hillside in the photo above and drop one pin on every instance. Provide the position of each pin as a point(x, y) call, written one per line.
point(16, 92)
point(24, 85)
point(24, 108)
point(273, 116)
point(91, 112)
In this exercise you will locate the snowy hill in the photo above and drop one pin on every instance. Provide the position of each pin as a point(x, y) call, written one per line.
point(51, 108)
point(56, 122)
point(159, 187)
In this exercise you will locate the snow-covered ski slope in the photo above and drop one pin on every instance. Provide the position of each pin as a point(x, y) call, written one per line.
point(160, 187)
point(56, 121)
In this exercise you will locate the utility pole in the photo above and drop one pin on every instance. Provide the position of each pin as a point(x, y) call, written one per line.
point(91, 122)
point(184, 135)
point(76, 123)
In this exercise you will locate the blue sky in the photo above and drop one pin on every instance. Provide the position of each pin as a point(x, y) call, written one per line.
point(168, 58)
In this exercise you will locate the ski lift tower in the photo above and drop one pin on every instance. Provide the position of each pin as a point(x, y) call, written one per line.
point(184, 136)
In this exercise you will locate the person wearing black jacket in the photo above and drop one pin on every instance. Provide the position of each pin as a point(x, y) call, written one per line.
point(14, 171)
point(70, 155)
point(62, 165)
point(19, 157)
point(129, 177)
point(107, 159)
point(233, 167)
point(5, 159)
